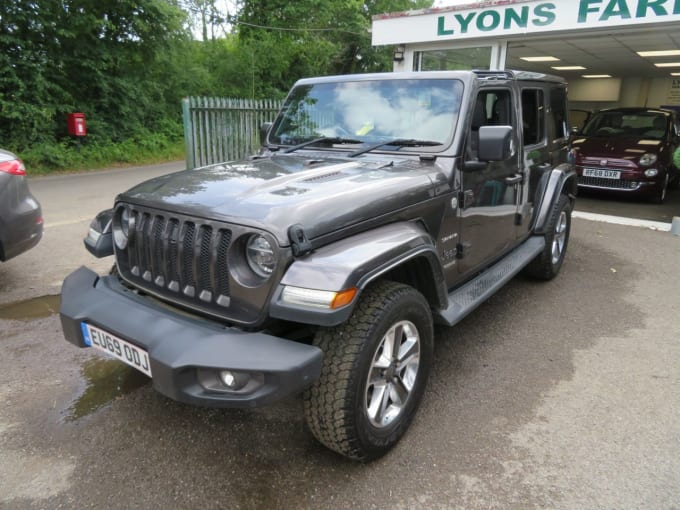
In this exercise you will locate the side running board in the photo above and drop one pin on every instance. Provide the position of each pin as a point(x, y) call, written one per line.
point(468, 297)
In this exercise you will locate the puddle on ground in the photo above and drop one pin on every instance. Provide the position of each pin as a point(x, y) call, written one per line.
point(105, 380)
point(36, 308)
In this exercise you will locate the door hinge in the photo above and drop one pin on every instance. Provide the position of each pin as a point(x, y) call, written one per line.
point(466, 198)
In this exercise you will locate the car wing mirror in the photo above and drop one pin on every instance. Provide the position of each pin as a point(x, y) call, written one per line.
point(495, 143)
point(99, 238)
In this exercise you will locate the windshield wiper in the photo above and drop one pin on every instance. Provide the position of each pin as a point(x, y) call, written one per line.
point(398, 142)
point(324, 139)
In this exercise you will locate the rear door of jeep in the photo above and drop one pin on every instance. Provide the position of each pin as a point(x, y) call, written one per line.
point(544, 136)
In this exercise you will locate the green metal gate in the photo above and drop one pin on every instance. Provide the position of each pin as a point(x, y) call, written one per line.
point(224, 129)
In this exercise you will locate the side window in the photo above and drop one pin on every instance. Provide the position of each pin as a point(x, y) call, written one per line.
point(558, 105)
point(533, 115)
point(492, 108)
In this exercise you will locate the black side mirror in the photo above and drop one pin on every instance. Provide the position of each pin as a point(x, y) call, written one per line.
point(264, 131)
point(99, 238)
point(495, 143)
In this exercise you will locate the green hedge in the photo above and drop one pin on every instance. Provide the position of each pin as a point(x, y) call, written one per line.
point(91, 153)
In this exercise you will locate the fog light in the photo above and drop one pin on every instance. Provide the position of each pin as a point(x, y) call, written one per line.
point(229, 382)
point(234, 380)
point(651, 172)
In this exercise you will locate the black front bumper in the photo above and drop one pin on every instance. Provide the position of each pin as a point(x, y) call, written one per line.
point(180, 345)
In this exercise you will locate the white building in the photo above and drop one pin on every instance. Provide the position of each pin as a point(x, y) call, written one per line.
point(613, 52)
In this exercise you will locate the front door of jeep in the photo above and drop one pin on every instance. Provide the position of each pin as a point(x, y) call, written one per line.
point(491, 191)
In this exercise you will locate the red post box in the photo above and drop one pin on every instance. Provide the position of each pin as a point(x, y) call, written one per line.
point(76, 124)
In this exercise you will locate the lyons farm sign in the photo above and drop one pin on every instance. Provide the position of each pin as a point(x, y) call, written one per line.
point(508, 18)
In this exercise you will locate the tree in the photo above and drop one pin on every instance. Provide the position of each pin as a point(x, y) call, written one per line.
point(59, 56)
point(208, 15)
point(289, 40)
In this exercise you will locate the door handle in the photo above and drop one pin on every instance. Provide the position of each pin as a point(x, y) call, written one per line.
point(515, 179)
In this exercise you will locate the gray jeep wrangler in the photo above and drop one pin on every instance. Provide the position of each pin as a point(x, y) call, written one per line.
point(378, 206)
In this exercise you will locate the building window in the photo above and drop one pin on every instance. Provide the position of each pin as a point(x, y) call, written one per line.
point(453, 60)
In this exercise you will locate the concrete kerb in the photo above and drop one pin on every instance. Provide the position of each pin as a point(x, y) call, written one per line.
point(631, 222)
point(675, 226)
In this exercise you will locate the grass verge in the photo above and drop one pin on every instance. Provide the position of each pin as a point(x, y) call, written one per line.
point(68, 156)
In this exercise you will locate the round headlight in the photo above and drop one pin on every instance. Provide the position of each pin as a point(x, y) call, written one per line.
point(648, 159)
point(260, 256)
point(651, 172)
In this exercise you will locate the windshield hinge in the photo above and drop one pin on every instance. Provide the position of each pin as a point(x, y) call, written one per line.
point(298, 241)
point(466, 198)
point(427, 157)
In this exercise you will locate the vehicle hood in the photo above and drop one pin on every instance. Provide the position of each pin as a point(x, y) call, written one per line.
point(592, 149)
point(273, 193)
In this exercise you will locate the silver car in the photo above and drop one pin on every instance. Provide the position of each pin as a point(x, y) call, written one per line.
point(21, 222)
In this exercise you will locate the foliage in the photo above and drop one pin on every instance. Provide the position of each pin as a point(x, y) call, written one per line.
point(142, 148)
point(126, 64)
point(289, 40)
point(81, 55)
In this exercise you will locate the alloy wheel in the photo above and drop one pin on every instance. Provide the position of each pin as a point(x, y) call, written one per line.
point(392, 375)
point(560, 237)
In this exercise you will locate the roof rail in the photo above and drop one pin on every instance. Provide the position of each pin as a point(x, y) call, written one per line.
point(486, 74)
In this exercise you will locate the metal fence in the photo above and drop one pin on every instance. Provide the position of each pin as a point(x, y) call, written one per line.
point(223, 129)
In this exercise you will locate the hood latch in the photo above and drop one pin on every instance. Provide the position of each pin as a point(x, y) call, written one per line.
point(298, 240)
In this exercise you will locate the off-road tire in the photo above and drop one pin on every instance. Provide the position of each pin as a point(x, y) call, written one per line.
point(547, 264)
point(335, 406)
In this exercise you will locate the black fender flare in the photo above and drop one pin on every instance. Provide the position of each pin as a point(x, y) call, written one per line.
point(355, 262)
point(561, 180)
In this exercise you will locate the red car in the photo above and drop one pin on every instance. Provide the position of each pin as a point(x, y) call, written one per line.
point(628, 151)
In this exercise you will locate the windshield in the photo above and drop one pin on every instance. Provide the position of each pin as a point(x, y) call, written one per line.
point(370, 112)
point(624, 124)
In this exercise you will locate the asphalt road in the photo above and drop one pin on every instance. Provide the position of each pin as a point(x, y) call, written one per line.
point(561, 395)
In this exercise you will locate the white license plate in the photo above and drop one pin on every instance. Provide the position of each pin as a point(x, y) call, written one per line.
point(116, 347)
point(605, 174)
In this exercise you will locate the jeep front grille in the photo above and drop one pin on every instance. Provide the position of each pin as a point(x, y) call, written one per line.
point(180, 258)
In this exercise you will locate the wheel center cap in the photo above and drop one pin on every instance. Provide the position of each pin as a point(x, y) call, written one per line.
point(391, 371)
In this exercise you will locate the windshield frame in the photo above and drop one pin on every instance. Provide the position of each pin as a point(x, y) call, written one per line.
point(435, 86)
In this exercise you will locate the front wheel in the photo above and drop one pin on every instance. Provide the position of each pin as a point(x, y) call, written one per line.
point(660, 195)
point(548, 263)
point(374, 373)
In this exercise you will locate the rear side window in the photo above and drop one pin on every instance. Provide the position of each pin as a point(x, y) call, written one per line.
point(533, 115)
point(558, 105)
